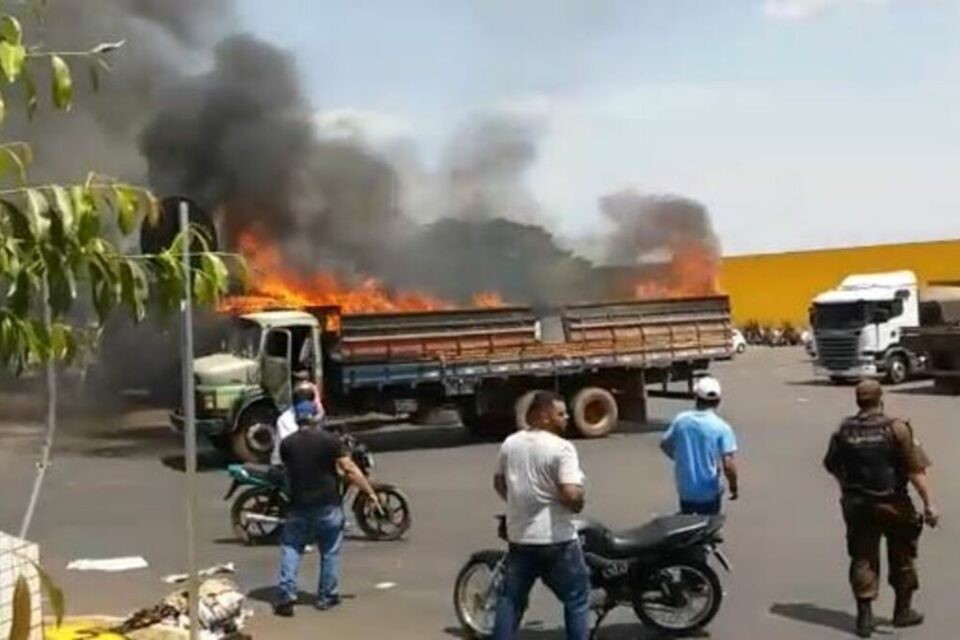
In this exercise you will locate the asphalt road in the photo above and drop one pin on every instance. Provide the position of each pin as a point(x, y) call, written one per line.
point(117, 489)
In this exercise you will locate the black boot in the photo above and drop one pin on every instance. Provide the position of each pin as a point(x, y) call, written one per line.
point(903, 614)
point(864, 618)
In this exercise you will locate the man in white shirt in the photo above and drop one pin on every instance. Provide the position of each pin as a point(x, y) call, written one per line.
point(538, 475)
point(305, 391)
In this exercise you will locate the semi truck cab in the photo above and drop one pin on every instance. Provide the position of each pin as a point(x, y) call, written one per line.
point(858, 327)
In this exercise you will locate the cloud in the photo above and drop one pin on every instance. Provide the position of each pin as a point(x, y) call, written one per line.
point(798, 10)
point(362, 126)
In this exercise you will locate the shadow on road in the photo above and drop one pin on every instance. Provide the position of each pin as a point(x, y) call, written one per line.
point(414, 437)
point(207, 460)
point(268, 595)
point(620, 631)
point(816, 615)
point(923, 390)
point(817, 382)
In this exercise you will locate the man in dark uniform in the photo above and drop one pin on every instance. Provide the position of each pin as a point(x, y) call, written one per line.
point(874, 458)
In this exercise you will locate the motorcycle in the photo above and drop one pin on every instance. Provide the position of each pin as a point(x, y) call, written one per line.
point(258, 513)
point(661, 570)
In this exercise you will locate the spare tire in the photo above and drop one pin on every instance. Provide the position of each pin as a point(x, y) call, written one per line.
point(522, 407)
point(595, 412)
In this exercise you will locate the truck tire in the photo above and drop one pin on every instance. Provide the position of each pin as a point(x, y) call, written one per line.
point(595, 412)
point(255, 434)
point(522, 407)
point(898, 369)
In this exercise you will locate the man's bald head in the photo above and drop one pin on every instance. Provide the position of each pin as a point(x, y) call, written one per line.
point(869, 394)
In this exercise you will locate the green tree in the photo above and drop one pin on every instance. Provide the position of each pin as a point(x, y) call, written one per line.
point(58, 242)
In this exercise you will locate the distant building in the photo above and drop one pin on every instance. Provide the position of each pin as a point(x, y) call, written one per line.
point(777, 287)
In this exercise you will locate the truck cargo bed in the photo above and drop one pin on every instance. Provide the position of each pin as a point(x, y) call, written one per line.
point(380, 350)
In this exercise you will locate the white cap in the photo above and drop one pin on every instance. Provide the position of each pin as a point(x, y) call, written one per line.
point(707, 388)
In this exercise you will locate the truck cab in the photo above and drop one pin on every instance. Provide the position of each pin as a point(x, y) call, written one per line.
point(240, 391)
point(858, 327)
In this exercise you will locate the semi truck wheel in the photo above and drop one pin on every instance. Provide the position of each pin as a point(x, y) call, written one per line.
point(595, 412)
point(898, 369)
point(256, 431)
point(522, 407)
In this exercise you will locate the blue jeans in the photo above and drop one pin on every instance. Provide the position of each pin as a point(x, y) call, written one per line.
point(710, 508)
point(564, 571)
point(323, 525)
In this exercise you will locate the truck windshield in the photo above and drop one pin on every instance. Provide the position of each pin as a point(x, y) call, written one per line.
point(847, 315)
point(244, 339)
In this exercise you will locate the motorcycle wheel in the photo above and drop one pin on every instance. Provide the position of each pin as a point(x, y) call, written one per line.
point(679, 598)
point(258, 501)
point(475, 593)
point(394, 522)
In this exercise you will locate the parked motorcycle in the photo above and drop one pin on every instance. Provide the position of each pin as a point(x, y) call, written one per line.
point(661, 570)
point(258, 513)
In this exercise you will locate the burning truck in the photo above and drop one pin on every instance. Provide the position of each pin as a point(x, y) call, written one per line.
point(484, 362)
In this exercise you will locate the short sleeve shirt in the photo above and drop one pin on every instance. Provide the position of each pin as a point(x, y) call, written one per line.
point(533, 463)
point(698, 440)
point(310, 456)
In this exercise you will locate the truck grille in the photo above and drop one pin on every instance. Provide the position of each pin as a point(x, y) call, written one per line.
point(837, 352)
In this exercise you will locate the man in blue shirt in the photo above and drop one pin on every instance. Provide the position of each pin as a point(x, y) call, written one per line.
point(702, 445)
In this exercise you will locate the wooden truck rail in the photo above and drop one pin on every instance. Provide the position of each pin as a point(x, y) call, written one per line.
point(514, 333)
point(460, 348)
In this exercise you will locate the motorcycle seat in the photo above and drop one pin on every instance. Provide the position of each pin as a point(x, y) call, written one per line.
point(265, 471)
point(656, 535)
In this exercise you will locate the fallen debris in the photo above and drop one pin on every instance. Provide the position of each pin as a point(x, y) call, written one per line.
point(209, 572)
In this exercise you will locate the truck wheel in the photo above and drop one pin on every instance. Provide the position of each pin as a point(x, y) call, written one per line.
point(898, 369)
point(255, 434)
point(594, 412)
point(522, 407)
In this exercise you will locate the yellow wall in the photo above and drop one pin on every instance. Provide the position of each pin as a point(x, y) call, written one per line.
point(773, 288)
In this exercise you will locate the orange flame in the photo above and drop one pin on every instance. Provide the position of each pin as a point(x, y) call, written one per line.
point(273, 284)
point(692, 272)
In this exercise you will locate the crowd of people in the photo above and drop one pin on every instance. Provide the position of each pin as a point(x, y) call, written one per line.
point(874, 457)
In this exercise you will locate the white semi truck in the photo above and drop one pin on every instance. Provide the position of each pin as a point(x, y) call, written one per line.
point(858, 327)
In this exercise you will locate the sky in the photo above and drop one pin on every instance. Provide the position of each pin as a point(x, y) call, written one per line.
point(798, 123)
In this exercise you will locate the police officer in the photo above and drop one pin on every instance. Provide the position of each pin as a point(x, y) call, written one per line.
point(874, 457)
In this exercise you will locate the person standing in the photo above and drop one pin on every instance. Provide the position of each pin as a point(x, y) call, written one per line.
point(304, 391)
point(703, 448)
point(313, 460)
point(538, 475)
point(874, 457)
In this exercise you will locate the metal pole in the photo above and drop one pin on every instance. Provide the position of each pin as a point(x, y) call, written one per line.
point(190, 424)
point(44, 463)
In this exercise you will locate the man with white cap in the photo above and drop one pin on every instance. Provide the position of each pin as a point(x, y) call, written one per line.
point(702, 446)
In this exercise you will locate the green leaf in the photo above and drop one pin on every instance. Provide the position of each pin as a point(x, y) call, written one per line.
point(216, 270)
point(12, 60)
point(87, 216)
point(54, 593)
point(3, 109)
point(134, 288)
point(10, 159)
point(30, 92)
point(63, 285)
point(128, 204)
point(105, 285)
point(38, 206)
point(62, 88)
point(22, 611)
point(10, 30)
point(63, 204)
point(20, 294)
